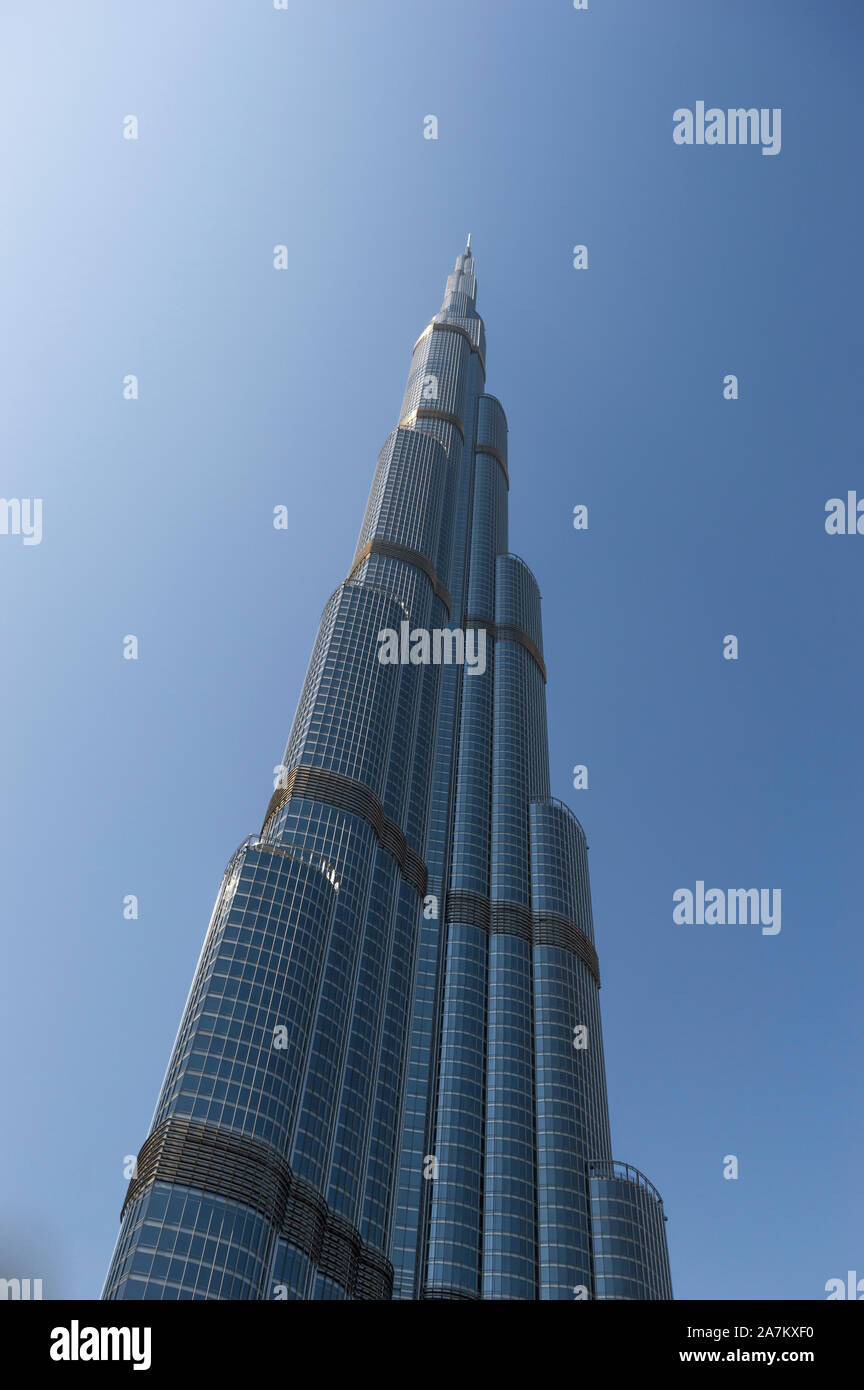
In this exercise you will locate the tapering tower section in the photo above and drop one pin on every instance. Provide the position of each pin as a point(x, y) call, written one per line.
point(388, 1080)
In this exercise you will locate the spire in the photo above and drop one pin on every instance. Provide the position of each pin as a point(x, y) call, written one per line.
point(461, 289)
point(465, 260)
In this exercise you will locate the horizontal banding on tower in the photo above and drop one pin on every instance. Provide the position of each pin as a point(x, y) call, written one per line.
point(426, 413)
point(501, 917)
point(504, 632)
point(391, 550)
point(188, 1153)
point(319, 784)
point(440, 327)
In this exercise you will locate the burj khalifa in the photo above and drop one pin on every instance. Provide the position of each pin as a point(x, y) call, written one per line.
point(388, 1080)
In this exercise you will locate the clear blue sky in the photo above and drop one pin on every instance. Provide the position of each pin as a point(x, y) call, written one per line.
point(257, 387)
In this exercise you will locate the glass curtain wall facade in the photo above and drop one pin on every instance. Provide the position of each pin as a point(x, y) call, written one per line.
point(388, 1081)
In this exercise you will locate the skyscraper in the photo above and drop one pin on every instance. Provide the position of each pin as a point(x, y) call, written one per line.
point(388, 1080)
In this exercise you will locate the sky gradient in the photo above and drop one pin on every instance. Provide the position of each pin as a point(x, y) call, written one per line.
point(261, 387)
